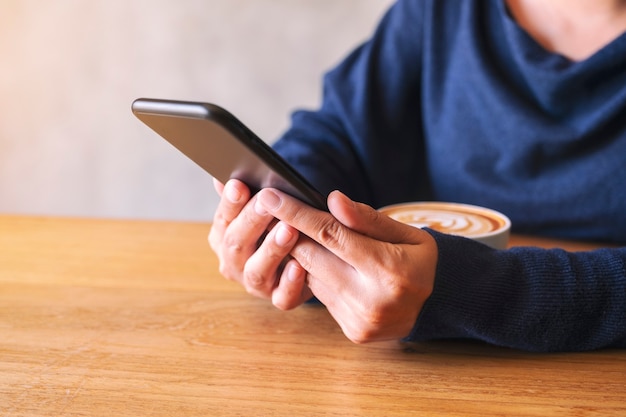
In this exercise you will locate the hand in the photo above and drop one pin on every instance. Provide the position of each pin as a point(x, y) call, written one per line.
point(253, 248)
point(372, 273)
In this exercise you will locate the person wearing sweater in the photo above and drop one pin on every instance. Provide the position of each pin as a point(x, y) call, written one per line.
point(515, 105)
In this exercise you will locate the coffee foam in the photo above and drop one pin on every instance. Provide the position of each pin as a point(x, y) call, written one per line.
point(452, 218)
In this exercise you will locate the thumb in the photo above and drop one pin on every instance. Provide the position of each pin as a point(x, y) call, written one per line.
point(369, 221)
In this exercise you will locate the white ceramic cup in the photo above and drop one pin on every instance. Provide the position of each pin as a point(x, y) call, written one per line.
point(478, 223)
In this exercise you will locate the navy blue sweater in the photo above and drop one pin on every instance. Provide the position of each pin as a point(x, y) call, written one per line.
point(452, 101)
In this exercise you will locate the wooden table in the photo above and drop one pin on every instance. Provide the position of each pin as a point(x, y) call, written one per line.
point(131, 318)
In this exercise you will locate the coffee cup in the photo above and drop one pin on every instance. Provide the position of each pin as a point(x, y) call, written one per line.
point(478, 223)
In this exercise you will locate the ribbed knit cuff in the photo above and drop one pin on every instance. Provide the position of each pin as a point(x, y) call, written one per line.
point(469, 294)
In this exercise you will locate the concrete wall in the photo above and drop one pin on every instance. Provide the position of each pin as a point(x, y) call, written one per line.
point(69, 70)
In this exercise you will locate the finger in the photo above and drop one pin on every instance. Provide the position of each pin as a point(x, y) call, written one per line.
point(320, 226)
point(336, 294)
point(237, 229)
point(261, 269)
point(292, 290)
point(235, 195)
point(368, 221)
point(219, 187)
point(324, 268)
point(241, 239)
point(353, 300)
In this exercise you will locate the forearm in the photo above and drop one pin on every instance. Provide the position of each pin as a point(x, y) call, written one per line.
point(527, 298)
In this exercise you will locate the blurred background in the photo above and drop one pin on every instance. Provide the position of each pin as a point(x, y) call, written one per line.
point(69, 70)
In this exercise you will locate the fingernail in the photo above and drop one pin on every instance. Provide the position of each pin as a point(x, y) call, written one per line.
point(292, 272)
point(259, 209)
point(345, 198)
point(269, 199)
point(283, 235)
point(232, 193)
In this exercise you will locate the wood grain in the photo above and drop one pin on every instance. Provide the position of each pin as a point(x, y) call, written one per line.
point(131, 318)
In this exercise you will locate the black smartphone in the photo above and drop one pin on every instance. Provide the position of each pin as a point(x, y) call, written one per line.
point(223, 146)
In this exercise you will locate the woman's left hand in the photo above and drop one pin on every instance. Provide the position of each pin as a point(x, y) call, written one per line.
point(373, 273)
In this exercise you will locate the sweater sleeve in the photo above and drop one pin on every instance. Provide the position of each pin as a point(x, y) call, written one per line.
point(367, 134)
point(367, 139)
point(526, 298)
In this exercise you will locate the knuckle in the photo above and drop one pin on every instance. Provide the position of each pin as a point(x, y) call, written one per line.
point(331, 234)
point(253, 279)
point(375, 216)
point(283, 304)
point(372, 321)
point(304, 254)
point(251, 218)
point(220, 220)
point(231, 246)
point(217, 230)
point(213, 240)
point(360, 336)
point(227, 272)
point(223, 270)
point(229, 254)
point(374, 318)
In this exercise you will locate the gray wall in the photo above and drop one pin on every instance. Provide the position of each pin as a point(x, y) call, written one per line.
point(69, 70)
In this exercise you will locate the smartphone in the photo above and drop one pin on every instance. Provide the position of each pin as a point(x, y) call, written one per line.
point(224, 147)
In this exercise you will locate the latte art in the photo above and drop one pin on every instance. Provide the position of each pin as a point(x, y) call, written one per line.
point(465, 224)
point(478, 223)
